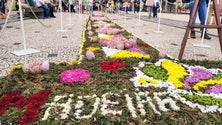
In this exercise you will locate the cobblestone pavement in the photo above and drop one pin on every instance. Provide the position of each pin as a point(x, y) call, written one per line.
point(53, 45)
point(64, 46)
point(181, 20)
point(167, 36)
point(168, 22)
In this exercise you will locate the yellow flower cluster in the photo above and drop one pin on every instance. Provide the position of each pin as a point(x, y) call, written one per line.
point(91, 48)
point(81, 45)
point(13, 68)
point(106, 37)
point(73, 62)
point(205, 84)
point(175, 72)
point(83, 41)
point(145, 81)
point(128, 54)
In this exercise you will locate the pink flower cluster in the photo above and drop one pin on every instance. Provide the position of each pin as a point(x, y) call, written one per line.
point(74, 75)
point(102, 25)
point(99, 18)
point(109, 30)
point(93, 38)
point(36, 67)
point(118, 42)
point(90, 55)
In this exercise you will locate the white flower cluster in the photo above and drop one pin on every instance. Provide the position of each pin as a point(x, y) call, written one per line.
point(109, 51)
point(130, 106)
point(104, 107)
point(79, 107)
point(202, 108)
point(102, 25)
point(174, 92)
point(108, 106)
point(163, 102)
point(65, 106)
point(140, 102)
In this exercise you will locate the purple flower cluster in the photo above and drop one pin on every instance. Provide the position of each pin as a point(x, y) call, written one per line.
point(216, 89)
point(135, 49)
point(198, 74)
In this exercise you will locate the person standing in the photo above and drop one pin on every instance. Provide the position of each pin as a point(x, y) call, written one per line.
point(126, 6)
point(85, 5)
point(3, 9)
point(135, 6)
point(100, 5)
point(155, 7)
point(112, 6)
point(90, 7)
point(80, 6)
point(117, 6)
point(71, 5)
point(130, 5)
point(149, 4)
point(202, 12)
point(96, 2)
point(178, 6)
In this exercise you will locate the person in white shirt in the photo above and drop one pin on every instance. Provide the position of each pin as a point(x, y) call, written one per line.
point(44, 5)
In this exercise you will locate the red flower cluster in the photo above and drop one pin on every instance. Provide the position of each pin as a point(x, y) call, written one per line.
point(33, 102)
point(143, 45)
point(112, 65)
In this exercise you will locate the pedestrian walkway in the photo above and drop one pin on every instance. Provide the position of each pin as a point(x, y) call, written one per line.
point(63, 46)
point(53, 45)
point(167, 37)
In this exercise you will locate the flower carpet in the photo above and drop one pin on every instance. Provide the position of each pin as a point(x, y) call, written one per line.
point(117, 79)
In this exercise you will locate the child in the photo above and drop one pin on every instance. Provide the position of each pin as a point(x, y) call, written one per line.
point(155, 7)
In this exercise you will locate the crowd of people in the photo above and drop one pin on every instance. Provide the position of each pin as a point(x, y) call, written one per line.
point(109, 6)
point(81, 6)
